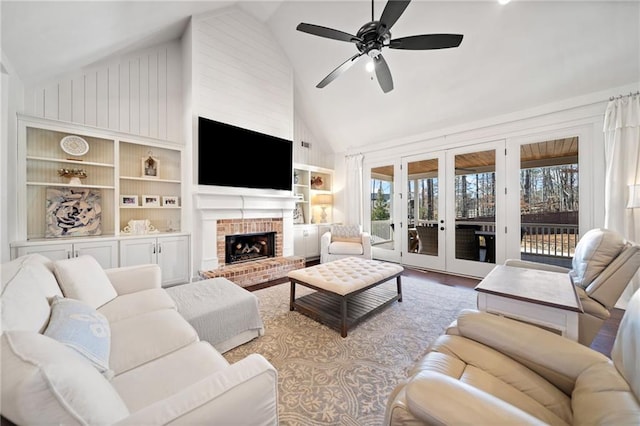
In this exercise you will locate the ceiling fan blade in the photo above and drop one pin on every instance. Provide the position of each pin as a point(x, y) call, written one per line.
point(327, 32)
point(426, 42)
point(392, 12)
point(383, 73)
point(342, 68)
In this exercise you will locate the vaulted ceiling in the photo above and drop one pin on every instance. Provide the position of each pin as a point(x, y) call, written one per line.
point(515, 57)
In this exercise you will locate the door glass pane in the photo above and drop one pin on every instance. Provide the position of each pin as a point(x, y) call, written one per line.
point(475, 195)
point(382, 226)
point(549, 201)
point(422, 207)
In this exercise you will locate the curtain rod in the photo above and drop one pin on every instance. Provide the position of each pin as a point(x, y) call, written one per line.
point(624, 96)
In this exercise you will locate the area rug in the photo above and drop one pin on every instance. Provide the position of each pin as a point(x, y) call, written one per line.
point(324, 379)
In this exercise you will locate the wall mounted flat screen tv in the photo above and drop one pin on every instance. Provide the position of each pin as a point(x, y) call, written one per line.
point(237, 157)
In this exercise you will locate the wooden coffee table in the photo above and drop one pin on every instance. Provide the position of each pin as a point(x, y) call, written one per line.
point(347, 290)
point(543, 298)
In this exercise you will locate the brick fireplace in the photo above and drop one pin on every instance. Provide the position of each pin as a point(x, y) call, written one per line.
point(227, 227)
point(225, 214)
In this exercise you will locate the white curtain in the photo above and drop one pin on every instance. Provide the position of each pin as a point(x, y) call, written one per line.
point(622, 155)
point(353, 190)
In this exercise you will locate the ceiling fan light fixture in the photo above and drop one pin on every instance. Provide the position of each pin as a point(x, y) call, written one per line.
point(369, 66)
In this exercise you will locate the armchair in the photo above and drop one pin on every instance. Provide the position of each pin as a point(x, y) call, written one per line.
point(344, 241)
point(493, 370)
point(603, 264)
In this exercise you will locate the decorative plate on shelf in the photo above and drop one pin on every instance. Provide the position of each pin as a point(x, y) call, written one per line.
point(74, 145)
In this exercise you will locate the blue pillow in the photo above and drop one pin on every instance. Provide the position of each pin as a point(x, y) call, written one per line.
point(83, 329)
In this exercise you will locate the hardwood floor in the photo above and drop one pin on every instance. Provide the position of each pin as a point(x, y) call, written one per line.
point(602, 343)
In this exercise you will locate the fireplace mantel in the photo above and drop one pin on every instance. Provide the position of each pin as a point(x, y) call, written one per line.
point(215, 204)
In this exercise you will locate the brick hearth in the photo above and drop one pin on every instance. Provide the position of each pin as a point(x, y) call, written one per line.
point(258, 271)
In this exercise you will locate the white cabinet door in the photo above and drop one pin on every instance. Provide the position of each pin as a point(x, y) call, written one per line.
point(137, 251)
point(312, 242)
point(306, 242)
point(51, 251)
point(105, 252)
point(173, 258)
point(171, 253)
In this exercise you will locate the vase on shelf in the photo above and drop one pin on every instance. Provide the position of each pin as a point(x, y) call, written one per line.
point(74, 175)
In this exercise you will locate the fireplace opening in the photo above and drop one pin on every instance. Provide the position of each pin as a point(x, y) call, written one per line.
point(248, 247)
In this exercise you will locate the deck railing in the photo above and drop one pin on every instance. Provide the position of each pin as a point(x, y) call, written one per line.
point(543, 239)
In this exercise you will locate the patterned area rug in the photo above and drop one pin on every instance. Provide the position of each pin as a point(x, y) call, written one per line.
point(324, 379)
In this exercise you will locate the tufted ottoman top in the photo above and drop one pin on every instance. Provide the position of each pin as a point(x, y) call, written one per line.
point(344, 276)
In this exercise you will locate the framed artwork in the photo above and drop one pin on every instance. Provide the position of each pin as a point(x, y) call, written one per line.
point(129, 200)
point(170, 201)
point(298, 214)
point(151, 200)
point(73, 212)
point(150, 166)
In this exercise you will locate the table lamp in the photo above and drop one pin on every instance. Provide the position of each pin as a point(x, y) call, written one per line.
point(323, 200)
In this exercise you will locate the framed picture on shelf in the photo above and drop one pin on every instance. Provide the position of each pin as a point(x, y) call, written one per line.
point(129, 200)
point(298, 214)
point(150, 166)
point(73, 212)
point(170, 201)
point(151, 200)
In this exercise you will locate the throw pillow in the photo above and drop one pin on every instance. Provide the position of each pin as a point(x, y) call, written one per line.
point(83, 329)
point(44, 381)
point(83, 278)
point(346, 233)
point(594, 252)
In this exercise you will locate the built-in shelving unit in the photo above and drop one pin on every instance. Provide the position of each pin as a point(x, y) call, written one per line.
point(115, 166)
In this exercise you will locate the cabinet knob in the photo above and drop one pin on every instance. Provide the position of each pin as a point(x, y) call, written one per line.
point(159, 248)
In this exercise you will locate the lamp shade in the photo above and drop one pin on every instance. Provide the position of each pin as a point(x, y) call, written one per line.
point(323, 199)
point(633, 200)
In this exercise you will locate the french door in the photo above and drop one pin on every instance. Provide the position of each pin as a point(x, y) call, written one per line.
point(453, 209)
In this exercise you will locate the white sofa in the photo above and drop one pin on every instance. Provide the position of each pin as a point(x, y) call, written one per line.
point(83, 345)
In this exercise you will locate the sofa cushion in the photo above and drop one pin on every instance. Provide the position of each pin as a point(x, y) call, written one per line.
point(346, 248)
point(145, 337)
point(346, 233)
point(158, 379)
point(83, 329)
point(28, 285)
point(44, 380)
point(140, 302)
point(595, 250)
point(84, 279)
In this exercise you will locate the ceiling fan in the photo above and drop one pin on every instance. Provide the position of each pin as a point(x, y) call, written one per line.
point(373, 36)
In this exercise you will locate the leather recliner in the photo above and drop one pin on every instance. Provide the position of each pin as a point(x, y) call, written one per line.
point(603, 264)
point(492, 370)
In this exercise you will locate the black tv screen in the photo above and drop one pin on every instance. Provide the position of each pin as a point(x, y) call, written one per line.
point(250, 160)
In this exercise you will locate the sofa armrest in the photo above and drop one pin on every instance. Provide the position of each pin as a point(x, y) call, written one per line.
point(244, 393)
point(535, 265)
point(366, 245)
point(325, 240)
point(556, 358)
point(429, 397)
point(131, 279)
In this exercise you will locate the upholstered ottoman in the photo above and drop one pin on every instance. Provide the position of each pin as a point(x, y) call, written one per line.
point(347, 290)
point(223, 313)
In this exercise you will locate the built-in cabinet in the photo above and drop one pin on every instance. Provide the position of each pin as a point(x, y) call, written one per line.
point(170, 252)
point(306, 240)
point(105, 251)
point(313, 188)
point(128, 177)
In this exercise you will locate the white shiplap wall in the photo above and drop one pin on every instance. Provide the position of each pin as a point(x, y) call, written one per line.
point(139, 94)
point(241, 75)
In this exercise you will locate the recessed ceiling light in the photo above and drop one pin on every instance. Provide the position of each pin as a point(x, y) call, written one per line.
point(503, 1)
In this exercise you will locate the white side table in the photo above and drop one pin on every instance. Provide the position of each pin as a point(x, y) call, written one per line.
point(543, 298)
